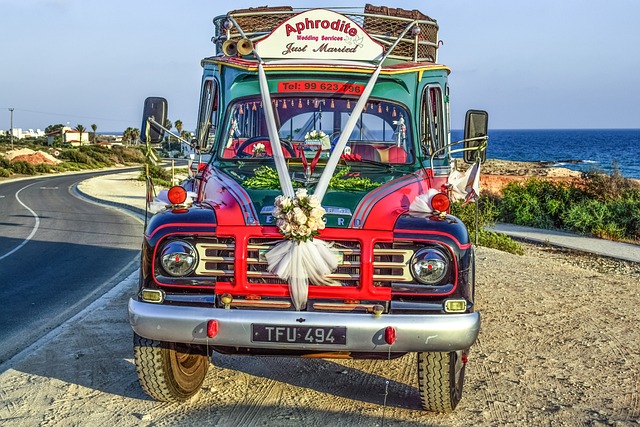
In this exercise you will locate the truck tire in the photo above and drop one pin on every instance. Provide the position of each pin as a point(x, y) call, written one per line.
point(169, 372)
point(440, 380)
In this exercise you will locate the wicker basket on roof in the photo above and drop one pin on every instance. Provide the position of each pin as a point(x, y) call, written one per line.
point(264, 19)
point(390, 29)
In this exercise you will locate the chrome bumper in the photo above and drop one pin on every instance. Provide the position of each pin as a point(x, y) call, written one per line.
point(365, 332)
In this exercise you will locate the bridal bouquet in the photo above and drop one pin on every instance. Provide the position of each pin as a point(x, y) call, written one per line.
point(258, 149)
point(299, 218)
point(317, 137)
point(300, 259)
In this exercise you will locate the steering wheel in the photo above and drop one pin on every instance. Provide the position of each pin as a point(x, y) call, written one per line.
point(262, 138)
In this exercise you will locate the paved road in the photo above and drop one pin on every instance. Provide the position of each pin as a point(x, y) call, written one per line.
point(57, 254)
point(624, 251)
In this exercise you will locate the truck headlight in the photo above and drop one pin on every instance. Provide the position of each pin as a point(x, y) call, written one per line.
point(429, 266)
point(178, 258)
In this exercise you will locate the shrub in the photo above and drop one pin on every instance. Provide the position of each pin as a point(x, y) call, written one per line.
point(24, 168)
point(600, 186)
point(44, 168)
point(158, 175)
point(130, 155)
point(76, 156)
point(4, 173)
point(603, 205)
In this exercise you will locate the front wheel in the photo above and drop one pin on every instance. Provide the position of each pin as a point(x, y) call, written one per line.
point(440, 380)
point(167, 371)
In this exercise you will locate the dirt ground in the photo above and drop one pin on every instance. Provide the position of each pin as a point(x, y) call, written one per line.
point(559, 345)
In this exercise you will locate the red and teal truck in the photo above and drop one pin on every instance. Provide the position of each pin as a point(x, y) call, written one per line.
point(316, 223)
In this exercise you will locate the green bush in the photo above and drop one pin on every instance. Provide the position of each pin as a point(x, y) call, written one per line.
point(4, 173)
point(536, 203)
point(44, 168)
point(23, 168)
point(598, 204)
point(158, 175)
point(76, 156)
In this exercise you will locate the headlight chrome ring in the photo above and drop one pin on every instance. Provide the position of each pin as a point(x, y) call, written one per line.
point(178, 258)
point(429, 266)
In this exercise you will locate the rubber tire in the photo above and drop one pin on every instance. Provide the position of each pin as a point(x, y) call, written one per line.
point(169, 372)
point(440, 380)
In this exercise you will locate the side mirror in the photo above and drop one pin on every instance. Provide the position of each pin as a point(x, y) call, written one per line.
point(475, 126)
point(156, 109)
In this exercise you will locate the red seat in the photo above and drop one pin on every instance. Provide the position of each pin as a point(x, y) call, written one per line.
point(367, 152)
point(397, 155)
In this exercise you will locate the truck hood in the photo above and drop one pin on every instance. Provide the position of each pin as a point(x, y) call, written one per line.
point(377, 208)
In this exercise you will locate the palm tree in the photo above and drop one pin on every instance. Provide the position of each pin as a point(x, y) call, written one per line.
point(135, 134)
point(127, 135)
point(94, 127)
point(80, 129)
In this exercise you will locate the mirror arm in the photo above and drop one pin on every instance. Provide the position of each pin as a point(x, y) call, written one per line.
point(480, 147)
point(152, 120)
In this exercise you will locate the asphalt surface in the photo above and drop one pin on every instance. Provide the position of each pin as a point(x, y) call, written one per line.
point(624, 251)
point(58, 253)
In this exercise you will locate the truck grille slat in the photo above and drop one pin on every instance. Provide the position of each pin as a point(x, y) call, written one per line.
point(390, 265)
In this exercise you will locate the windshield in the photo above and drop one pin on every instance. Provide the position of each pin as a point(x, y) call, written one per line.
point(311, 126)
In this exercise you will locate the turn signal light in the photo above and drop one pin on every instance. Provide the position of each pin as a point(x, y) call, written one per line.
point(177, 195)
point(152, 295)
point(455, 306)
point(440, 202)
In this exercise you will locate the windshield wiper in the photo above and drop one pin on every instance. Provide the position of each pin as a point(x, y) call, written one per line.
point(388, 166)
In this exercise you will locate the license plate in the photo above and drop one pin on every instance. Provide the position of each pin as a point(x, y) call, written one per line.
point(300, 334)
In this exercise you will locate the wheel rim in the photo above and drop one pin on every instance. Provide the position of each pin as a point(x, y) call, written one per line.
point(187, 367)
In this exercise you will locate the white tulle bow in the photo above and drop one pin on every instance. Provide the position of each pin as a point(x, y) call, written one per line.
point(300, 263)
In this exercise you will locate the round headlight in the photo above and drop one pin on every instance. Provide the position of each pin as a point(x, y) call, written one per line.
point(429, 266)
point(178, 258)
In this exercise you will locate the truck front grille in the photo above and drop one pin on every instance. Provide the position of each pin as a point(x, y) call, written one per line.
point(390, 262)
point(216, 259)
point(347, 273)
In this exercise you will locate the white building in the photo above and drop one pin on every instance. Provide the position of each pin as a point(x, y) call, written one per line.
point(18, 133)
point(69, 136)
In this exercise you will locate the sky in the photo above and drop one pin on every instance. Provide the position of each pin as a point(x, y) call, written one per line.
point(547, 64)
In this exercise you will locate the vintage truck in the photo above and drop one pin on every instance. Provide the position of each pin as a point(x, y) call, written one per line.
point(318, 225)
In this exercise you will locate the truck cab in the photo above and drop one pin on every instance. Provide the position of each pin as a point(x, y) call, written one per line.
point(319, 226)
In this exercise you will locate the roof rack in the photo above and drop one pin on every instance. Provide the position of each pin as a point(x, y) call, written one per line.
point(383, 24)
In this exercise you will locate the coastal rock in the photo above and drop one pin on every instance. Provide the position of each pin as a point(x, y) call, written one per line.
point(495, 174)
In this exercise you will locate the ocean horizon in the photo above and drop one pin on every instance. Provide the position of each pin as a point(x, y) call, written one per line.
point(576, 149)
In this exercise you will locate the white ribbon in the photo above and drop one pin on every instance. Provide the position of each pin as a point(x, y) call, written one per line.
point(299, 262)
point(274, 138)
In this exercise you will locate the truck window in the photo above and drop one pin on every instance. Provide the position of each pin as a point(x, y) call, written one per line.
point(380, 134)
point(433, 132)
point(208, 114)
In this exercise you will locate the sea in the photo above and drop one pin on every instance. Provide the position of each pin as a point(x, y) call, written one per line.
point(577, 149)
